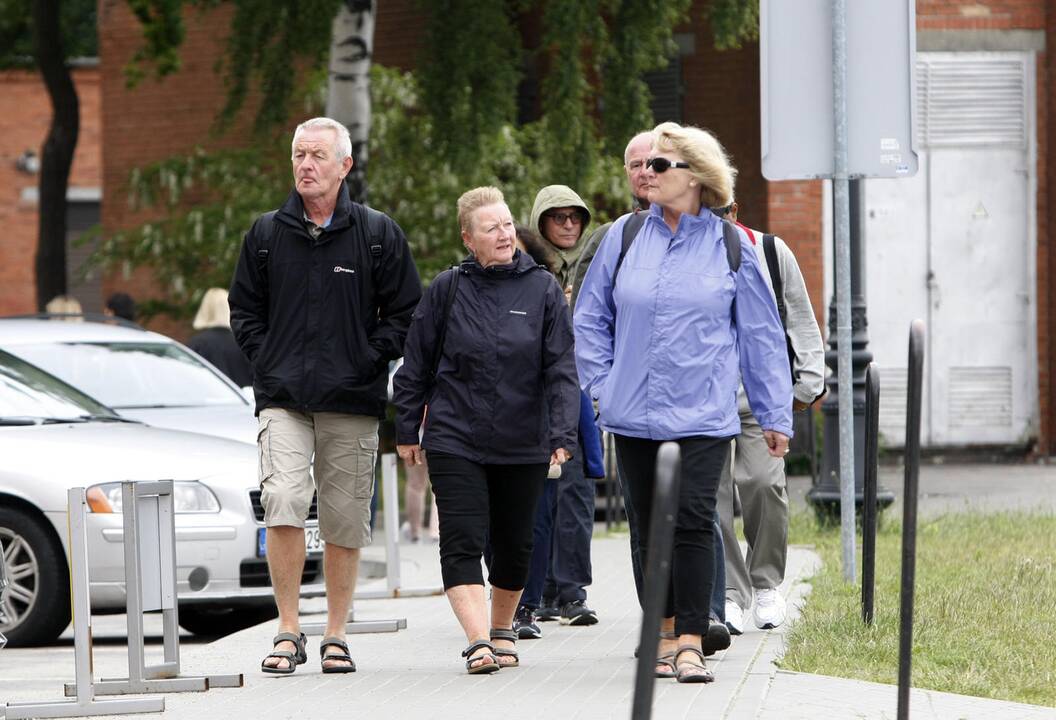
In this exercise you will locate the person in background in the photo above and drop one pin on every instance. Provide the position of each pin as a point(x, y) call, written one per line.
point(214, 340)
point(758, 476)
point(65, 305)
point(120, 305)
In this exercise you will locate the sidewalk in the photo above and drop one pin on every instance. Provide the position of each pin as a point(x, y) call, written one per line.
point(585, 672)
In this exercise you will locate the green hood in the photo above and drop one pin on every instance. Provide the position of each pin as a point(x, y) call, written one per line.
point(558, 196)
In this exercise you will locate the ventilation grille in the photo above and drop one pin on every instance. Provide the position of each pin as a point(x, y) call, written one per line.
point(893, 402)
point(980, 397)
point(971, 102)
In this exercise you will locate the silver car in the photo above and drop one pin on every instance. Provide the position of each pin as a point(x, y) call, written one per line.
point(140, 374)
point(53, 437)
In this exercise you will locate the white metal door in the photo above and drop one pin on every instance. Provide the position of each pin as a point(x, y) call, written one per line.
point(955, 245)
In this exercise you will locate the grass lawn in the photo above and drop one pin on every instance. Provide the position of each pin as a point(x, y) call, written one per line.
point(985, 618)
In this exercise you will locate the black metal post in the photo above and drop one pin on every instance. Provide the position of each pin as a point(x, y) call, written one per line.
point(825, 494)
point(914, 389)
point(872, 438)
point(658, 570)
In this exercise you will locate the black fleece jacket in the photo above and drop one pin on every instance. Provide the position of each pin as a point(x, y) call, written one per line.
point(320, 319)
point(506, 390)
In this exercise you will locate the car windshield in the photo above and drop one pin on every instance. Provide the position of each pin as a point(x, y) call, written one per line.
point(127, 375)
point(29, 394)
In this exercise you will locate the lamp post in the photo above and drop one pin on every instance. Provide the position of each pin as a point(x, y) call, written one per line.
point(825, 494)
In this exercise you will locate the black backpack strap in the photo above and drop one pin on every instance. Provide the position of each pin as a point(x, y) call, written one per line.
point(732, 239)
point(267, 229)
point(449, 301)
point(375, 231)
point(770, 251)
point(631, 228)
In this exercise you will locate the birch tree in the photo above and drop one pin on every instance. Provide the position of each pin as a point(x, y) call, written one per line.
point(348, 86)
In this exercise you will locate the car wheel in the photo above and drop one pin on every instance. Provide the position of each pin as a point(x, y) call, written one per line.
point(36, 604)
point(213, 620)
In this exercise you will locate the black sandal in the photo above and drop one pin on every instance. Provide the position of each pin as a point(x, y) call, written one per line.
point(293, 659)
point(325, 656)
point(690, 672)
point(485, 667)
point(510, 635)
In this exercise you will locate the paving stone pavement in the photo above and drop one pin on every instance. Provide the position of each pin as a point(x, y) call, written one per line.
point(585, 672)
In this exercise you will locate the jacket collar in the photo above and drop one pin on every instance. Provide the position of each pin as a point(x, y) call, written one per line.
point(522, 263)
point(292, 212)
point(705, 220)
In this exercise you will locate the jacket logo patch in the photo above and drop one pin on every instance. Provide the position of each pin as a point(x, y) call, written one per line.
point(518, 312)
point(339, 269)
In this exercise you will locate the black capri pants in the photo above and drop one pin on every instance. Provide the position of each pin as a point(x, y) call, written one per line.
point(693, 556)
point(474, 501)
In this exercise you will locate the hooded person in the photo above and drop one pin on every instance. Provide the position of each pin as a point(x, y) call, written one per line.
point(564, 521)
point(560, 217)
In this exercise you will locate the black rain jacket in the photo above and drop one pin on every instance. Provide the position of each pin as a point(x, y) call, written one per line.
point(320, 319)
point(506, 390)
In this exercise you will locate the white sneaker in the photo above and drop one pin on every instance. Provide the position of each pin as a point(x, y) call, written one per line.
point(405, 534)
point(734, 618)
point(769, 609)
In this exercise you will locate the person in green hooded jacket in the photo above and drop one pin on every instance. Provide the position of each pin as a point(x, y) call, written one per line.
point(564, 520)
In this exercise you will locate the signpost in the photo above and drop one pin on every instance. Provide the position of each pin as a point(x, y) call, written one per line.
point(837, 102)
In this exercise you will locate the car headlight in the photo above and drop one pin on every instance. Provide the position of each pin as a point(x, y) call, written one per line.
point(188, 496)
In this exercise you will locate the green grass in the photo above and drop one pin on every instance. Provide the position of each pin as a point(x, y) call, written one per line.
point(985, 608)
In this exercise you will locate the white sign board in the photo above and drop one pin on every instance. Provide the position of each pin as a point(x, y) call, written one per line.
point(795, 64)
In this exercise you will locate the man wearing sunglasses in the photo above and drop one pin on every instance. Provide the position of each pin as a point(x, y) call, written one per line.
point(758, 477)
point(564, 523)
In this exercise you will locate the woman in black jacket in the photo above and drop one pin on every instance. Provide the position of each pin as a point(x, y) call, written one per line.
point(490, 352)
point(214, 340)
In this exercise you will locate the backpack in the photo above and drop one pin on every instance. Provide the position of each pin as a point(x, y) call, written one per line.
point(634, 224)
point(375, 229)
point(770, 252)
point(449, 300)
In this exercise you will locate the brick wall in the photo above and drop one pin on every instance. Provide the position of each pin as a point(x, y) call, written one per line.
point(980, 14)
point(25, 116)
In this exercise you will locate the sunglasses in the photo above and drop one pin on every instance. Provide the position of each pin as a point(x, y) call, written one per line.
point(662, 164)
point(561, 218)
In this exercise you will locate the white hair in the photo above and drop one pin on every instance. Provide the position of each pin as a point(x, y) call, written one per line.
point(647, 135)
point(342, 141)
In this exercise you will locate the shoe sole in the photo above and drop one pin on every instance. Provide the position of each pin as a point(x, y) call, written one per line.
point(525, 634)
point(580, 620)
point(734, 630)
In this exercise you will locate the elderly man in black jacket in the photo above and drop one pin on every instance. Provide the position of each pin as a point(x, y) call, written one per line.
point(320, 303)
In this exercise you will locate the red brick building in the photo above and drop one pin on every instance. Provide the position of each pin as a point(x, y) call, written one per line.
point(720, 91)
point(24, 122)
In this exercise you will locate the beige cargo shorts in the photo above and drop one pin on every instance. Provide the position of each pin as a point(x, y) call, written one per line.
point(344, 447)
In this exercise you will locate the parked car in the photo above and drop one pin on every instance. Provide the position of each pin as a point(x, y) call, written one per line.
point(141, 374)
point(53, 437)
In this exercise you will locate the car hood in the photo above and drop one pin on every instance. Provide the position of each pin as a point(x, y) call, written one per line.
point(234, 422)
point(41, 462)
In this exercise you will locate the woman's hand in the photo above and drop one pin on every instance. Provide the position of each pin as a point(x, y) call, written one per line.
point(777, 442)
point(410, 454)
point(559, 457)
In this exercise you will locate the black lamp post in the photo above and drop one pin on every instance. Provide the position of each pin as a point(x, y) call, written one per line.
point(825, 494)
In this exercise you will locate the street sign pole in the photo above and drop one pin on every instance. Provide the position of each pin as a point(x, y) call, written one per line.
point(842, 229)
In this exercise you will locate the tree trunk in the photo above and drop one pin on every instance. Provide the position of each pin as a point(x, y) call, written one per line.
point(348, 97)
point(57, 154)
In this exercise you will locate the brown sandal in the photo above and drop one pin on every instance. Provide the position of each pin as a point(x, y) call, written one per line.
point(691, 672)
point(511, 636)
point(667, 659)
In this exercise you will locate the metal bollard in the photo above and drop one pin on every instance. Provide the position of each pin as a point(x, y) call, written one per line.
point(872, 443)
point(661, 539)
point(914, 390)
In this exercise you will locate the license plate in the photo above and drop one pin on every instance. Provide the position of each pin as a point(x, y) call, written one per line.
point(313, 542)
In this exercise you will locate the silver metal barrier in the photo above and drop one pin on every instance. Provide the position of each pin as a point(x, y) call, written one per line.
point(3, 588)
point(84, 701)
point(150, 585)
point(393, 583)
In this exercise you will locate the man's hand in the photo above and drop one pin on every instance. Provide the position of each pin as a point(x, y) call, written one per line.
point(776, 442)
point(410, 454)
point(559, 457)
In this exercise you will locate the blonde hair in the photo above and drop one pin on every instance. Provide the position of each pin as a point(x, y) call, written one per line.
point(707, 159)
point(214, 310)
point(473, 200)
point(64, 305)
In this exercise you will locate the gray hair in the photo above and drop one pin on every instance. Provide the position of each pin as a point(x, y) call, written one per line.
point(342, 141)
